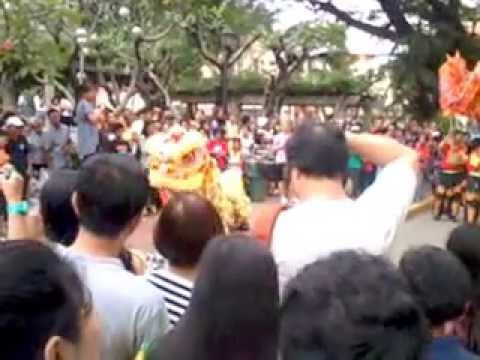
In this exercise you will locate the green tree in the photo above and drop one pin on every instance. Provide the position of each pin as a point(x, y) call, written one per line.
point(223, 31)
point(424, 32)
point(294, 47)
point(40, 49)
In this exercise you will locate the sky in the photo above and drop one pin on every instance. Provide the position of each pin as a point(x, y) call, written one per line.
point(358, 42)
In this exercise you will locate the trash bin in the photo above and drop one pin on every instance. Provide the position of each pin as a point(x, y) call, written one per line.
point(257, 185)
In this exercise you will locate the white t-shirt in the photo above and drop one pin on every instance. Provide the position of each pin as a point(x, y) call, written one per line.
point(132, 312)
point(318, 227)
point(279, 147)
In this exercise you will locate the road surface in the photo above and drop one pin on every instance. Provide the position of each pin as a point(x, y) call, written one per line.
point(421, 230)
point(418, 231)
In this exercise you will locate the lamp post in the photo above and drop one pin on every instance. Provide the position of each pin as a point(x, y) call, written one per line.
point(81, 36)
point(230, 42)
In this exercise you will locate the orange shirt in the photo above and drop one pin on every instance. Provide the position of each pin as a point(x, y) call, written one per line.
point(454, 157)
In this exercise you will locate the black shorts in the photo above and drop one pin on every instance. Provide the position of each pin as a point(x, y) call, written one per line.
point(451, 180)
point(273, 172)
point(473, 184)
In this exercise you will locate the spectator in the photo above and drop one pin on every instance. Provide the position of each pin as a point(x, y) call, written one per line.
point(351, 306)
point(86, 118)
point(279, 149)
point(325, 220)
point(36, 154)
point(186, 225)
point(218, 148)
point(57, 141)
point(109, 197)
point(463, 243)
point(442, 287)
point(46, 312)
point(233, 312)
point(17, 146)
point(60, 222)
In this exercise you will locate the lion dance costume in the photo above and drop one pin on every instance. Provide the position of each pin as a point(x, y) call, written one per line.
point(459, 95)
point(179, 161)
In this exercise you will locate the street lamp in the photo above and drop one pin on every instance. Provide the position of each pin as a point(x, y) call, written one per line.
point(137, 31)
point(81, 36)
point(124, 12)
point(230, 42)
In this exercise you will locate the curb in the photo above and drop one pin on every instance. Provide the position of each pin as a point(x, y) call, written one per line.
point(420, 207)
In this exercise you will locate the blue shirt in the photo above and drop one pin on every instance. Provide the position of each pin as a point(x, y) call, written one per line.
point(448, 348)
point(88, 135)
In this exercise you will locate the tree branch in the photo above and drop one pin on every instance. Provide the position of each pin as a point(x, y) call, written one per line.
point(160, 86)
point(98, 15)
point(200, 45)
point(379, 31)
point(64, 91)
point(239, 53)
point(159, 36)
point(393, 10)
point(447, 13)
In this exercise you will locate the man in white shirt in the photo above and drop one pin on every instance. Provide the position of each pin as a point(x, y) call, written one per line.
point(325, 220)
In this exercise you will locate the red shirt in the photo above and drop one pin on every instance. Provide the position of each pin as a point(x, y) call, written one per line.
point(218, 148)
point(448, 152)
point(424, 152)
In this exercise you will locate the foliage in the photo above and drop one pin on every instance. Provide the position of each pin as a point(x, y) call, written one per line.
point(331, 82)
point(424, 32)
point(39, 49)
point(319, 83)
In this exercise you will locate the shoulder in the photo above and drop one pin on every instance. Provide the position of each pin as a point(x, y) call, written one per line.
point(167, 279)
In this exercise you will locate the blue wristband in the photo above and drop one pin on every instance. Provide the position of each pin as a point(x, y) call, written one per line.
point(20, 208)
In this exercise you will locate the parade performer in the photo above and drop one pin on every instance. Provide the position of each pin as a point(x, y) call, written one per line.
point(472, 194)
point(448, 193)
point(180, 161)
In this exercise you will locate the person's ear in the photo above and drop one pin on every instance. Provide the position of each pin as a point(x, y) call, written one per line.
point(57, 348)
point(74, 201)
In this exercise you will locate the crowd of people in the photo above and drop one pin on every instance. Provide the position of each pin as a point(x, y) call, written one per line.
point(308, 280)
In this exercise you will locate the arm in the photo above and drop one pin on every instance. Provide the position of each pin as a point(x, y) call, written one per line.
point(381, 150)
point(19, 226)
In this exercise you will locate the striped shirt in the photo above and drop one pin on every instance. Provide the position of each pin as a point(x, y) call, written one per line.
point(176, 291)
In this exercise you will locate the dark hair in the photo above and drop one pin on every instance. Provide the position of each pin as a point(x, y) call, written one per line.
point(40, 296)
point(233, 313)
point(118, 143)
point(59, 219)
point(350, 306)
point(439, 281)
point(318, 150)
point(464, 243)
point(185, 226)
point(111, 190)
point(86, 87)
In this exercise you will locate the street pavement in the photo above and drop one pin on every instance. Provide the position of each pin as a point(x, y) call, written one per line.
point(420, 230)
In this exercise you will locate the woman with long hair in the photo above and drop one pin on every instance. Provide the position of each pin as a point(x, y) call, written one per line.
point(233, 312)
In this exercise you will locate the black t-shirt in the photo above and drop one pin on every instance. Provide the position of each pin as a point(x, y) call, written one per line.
point(18, 151)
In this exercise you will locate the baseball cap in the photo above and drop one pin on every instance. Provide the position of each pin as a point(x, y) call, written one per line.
point(14, 121)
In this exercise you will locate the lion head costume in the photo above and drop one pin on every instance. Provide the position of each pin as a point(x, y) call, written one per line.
point(179, 161)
